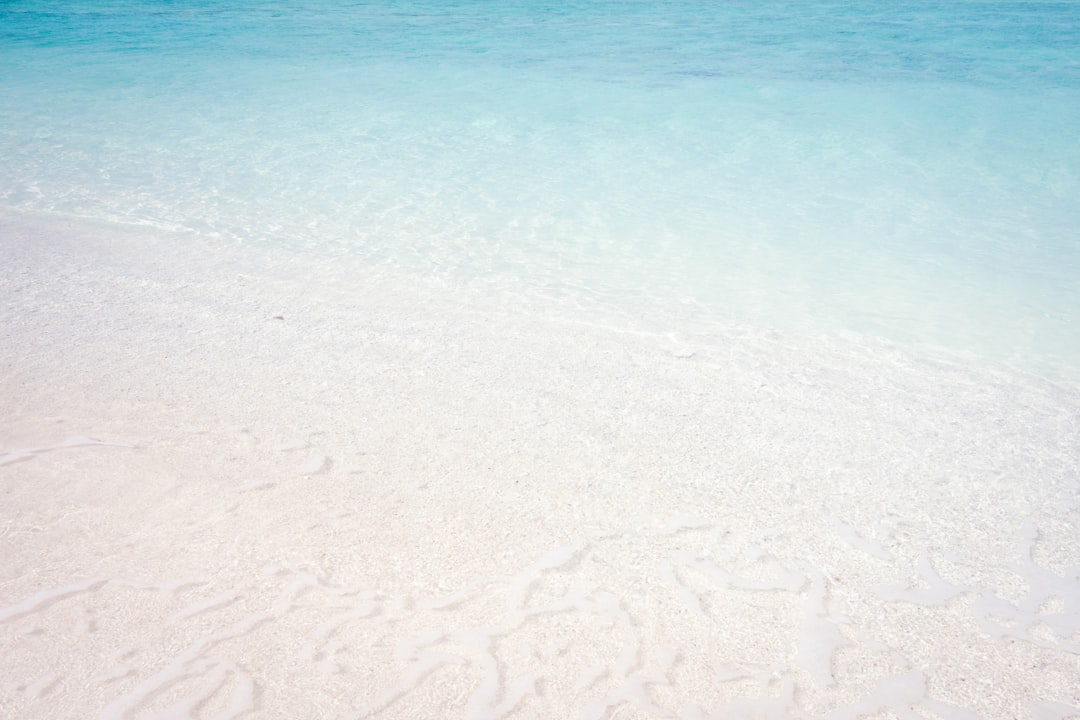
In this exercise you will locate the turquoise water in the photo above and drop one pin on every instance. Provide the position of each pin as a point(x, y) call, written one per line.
point(908, 170)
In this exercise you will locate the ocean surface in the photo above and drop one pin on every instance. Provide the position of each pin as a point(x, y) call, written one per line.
point(906, 170)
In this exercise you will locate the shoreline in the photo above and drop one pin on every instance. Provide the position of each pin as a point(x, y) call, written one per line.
point(351, 491)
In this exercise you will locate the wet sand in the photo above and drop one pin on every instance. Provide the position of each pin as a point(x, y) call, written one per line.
point(241, 482)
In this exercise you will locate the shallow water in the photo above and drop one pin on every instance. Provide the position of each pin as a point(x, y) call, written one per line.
point(909, 171)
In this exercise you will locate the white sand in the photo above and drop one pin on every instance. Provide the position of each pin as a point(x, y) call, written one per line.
point(411, 498)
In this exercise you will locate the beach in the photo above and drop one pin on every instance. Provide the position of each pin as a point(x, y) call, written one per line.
point(595, 360)
point(247, 481)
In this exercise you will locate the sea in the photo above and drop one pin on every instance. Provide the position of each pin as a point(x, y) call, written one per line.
point(903, 171)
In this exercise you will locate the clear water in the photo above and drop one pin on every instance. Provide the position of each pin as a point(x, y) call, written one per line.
point(908, 169)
